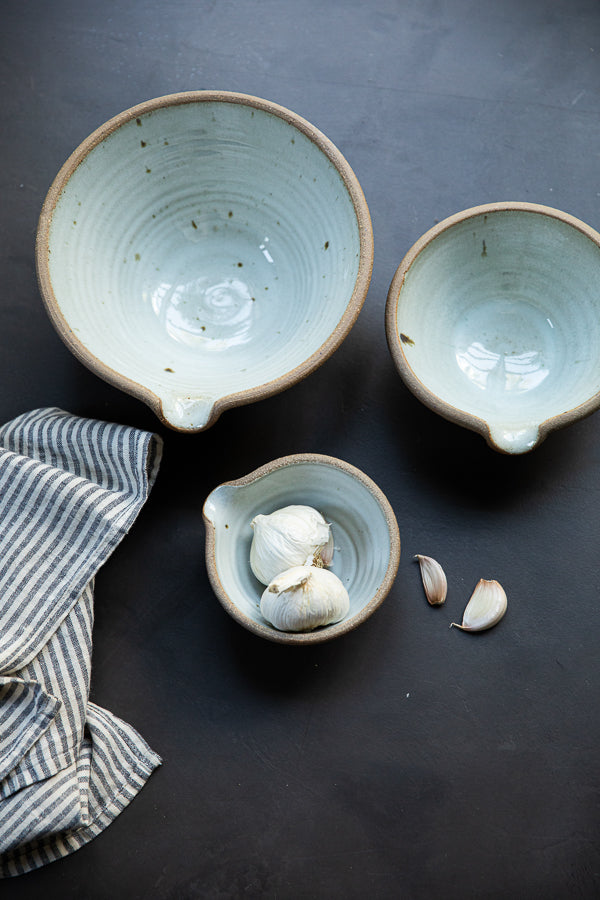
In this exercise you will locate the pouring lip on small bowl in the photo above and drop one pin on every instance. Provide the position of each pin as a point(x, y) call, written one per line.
point(280, 383)
point(503, 441)
point(330, 631)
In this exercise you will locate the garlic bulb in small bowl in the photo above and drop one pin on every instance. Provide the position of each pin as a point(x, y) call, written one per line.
point(364, 528)
point(296, 535)
point(304, 598)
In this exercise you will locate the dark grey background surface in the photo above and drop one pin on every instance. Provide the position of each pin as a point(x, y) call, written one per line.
point(405, 760)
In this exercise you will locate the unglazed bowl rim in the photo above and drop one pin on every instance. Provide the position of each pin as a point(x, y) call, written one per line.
point(414, 383)
point(330, 631)
point(249, 395)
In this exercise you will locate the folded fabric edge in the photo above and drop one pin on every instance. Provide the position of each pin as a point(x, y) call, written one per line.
point(29, 857)
point(154, 457)
point(16, 651)
point(27, 711)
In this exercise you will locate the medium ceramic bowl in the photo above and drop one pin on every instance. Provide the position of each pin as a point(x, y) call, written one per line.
point(365, 531)
point(204, 250)
point(493, 320)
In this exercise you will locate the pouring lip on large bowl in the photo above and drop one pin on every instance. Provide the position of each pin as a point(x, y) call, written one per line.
point(251, 394)
point(396, 340)
point(331, 631)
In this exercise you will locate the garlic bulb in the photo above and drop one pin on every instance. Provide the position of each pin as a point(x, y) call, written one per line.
point(434, 580)
point(303, 598)
point(292, 536)
point(485, 608)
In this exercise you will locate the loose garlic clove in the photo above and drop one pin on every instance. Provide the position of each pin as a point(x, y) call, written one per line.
point(325, 555)
point(304, 598)
point(292, 536)
point(485, 608)
point(434, 580)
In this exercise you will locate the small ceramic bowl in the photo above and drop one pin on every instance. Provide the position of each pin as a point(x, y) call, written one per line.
point(365, 531)
point(204, 250)
point(493, 320)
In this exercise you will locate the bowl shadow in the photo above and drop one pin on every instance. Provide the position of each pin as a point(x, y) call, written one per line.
point(459, 465)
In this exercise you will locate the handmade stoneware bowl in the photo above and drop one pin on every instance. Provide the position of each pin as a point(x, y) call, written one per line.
point(493, 320)
point(204, 250)
point(365, 532)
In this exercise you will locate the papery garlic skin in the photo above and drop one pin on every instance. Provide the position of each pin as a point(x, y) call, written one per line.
point(485, 608)
point(292, 536)
point(434, 580)
point(304, 598)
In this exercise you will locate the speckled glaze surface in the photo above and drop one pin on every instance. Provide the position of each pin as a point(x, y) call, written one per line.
point(366, 537)
point(493, 321)
point(203, 250)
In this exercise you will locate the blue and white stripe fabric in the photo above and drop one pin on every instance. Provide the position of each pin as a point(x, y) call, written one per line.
point(70, 489)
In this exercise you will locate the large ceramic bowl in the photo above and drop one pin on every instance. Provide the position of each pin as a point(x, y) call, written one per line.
point(365, 532)
point(493, 320)
point(204, 250)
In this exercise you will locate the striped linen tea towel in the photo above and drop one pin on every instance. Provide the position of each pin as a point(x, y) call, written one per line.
point(70, 489)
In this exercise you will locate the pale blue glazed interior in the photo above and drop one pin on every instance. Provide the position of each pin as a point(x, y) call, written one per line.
point(501, 320)
point(360, 530)
point(203, 249)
